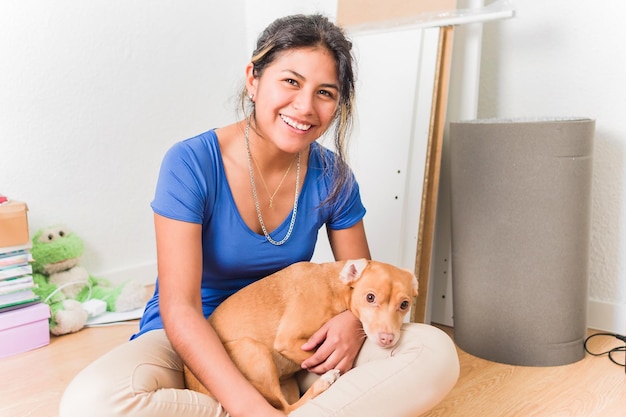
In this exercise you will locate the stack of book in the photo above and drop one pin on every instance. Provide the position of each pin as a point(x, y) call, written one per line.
point(23, 317)
point(16, 280)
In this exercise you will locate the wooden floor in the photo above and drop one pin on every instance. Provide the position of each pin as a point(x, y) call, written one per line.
point(592, 387)
point(31, 383)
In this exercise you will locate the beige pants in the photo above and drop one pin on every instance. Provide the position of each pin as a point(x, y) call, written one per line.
point(144, 377)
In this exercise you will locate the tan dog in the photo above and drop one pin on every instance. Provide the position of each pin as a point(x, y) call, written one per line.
point(264, 325)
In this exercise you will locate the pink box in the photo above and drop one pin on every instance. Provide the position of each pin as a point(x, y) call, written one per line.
point(24, 329)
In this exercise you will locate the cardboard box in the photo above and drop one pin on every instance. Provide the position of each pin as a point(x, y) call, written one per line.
point(13, 224)
point(24, 329)
point(359, 12)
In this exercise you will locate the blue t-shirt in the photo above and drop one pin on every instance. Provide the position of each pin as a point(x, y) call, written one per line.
point(193, 187)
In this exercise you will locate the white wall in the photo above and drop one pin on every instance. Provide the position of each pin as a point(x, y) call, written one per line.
point(260, 13)
point(93, 93)
point(564, 58)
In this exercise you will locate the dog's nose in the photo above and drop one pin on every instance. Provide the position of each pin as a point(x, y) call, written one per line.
point(385, 339)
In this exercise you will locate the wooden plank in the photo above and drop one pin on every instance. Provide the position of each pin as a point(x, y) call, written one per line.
point(432, 174)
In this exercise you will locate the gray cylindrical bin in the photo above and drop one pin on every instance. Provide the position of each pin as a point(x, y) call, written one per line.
point(521, 204)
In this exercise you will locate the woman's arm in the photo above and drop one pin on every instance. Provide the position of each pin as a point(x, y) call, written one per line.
point(350, 243)
point(179, 253)
point(341, 338)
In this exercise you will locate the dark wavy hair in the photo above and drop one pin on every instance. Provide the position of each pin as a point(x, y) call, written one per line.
point(305, 31)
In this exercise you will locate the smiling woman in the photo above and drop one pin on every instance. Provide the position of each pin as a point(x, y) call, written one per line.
point(217, 234)
point(302, 90)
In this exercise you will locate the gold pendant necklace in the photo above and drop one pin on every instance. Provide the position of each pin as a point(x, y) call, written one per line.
point(271, 196)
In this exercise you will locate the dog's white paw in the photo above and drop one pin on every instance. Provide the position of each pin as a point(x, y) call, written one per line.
point(331, 376)
point(323, 383)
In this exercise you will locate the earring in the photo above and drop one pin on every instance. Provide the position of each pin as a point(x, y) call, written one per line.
point(251, 97)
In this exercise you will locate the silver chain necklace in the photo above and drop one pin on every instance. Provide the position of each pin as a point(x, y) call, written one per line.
point(256, 199)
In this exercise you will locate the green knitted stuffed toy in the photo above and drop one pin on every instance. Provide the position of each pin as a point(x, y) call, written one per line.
point(65, 285)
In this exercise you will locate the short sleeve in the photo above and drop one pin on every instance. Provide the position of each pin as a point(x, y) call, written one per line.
point(186, 179)
point(349, 210)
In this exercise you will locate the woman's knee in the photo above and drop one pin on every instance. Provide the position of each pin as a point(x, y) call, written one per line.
point(434, 353)
point(90, 393)
point(425, 354)
point(118, 381)
point(408, 379)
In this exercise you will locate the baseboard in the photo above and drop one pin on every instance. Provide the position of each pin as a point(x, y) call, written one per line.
point(144, 274)
point(607, 317)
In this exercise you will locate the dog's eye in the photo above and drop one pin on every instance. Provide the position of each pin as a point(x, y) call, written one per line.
point(404, 305)
point(370, 297)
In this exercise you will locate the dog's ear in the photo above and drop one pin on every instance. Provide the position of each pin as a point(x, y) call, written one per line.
point(352, 270)
point(415, 283)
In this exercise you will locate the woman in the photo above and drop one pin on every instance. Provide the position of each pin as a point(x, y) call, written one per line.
point(238, 203)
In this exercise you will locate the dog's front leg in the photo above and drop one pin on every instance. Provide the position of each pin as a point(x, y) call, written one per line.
point(320, 385)
point(256, 363)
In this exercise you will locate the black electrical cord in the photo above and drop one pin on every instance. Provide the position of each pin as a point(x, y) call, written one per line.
point(612, 352)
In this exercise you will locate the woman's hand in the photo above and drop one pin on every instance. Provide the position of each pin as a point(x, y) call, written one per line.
point(339, 341)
